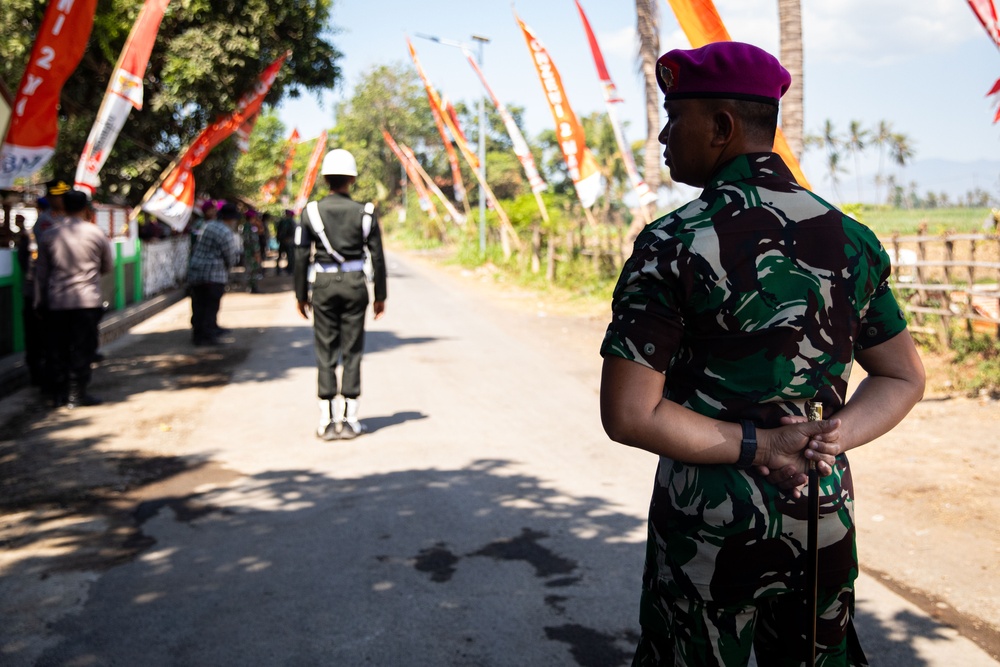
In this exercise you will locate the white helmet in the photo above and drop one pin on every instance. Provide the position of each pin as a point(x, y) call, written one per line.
point(339, 162)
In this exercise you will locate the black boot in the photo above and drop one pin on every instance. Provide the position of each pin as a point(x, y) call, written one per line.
point(78, 397)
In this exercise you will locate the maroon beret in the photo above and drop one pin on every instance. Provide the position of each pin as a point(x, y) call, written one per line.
point(727, 70)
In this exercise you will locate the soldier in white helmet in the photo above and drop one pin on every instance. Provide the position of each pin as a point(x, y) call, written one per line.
point(330, 248)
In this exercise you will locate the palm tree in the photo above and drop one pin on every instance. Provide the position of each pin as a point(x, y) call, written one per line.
point(648, 30)
point(857, 138)
point(832, 142)
point(900, 149)
point(881, 138)
point(792, 115)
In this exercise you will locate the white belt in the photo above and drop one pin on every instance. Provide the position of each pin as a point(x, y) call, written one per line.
point(345, 267)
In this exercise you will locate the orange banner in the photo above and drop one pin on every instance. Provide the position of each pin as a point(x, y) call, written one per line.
point(413, 175)
point(34, 128)
point(702, 24)
point(319, 150)
point(572, 140)
point(453, 115)
point(173, 200)
point(437, 110)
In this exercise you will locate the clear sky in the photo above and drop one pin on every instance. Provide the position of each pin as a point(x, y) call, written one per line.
point(923, 66)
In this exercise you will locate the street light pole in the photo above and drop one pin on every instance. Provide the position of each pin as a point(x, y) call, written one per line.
point(482, 154)
point(482, 131)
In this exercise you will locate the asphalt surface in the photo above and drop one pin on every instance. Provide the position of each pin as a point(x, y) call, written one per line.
point(485, 519)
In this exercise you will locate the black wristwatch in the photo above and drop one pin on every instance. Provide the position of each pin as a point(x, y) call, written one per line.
point(748, 445)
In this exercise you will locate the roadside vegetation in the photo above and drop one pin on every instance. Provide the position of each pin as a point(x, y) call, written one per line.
point(970, 368)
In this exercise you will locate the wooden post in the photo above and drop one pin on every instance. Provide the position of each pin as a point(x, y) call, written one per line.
point(949, 257)
point(921, 274)
point(550, 269)
point(971, 269)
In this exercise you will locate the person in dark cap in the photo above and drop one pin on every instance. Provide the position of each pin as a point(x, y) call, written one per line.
point(208, 272)
point(732, 312)
point(51, 213)
point(72, 257)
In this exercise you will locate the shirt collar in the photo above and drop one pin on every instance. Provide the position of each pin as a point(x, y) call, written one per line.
point(751, 165)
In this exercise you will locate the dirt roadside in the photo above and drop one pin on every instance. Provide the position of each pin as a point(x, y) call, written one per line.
point(76, 487)
point(924, 503)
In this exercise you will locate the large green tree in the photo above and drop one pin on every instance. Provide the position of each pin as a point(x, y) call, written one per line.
point(390, 97)
point(208, 53)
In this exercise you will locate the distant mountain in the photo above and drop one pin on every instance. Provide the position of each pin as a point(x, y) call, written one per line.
point(949, 176)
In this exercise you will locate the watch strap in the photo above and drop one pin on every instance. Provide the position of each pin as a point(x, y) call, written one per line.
point(748, 445)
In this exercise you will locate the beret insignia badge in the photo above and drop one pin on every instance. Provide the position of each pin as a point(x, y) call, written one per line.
point(666, 75)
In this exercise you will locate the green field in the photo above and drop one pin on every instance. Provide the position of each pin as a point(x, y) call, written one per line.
point(887, 221)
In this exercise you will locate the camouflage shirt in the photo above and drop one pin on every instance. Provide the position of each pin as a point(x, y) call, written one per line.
point(751, 300)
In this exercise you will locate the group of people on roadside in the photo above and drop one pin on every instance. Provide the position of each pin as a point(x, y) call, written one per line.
point(62, 259)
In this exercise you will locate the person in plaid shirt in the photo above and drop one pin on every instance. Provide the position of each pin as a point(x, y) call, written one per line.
point(208, 273)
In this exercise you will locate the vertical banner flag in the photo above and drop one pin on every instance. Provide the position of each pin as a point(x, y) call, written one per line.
point(986, 12)
point(642, 191)
point(173, 200)
point(124, 92)
point(572, 140)
point(272, 190)
point(310, 180)
point(702, 25)
point(413, 175)
point(457, 217)
point(520, 145)
point(438, 112)
point(244, 131)
point(34, 128)
point(453, 115)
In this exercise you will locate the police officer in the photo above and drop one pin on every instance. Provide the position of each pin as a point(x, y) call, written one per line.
point(330, 243)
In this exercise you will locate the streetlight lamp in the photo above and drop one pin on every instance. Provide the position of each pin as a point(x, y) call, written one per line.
point(481, 41)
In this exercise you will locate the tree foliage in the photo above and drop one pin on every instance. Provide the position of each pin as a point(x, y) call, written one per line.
point(389, 97)
point(208, 54)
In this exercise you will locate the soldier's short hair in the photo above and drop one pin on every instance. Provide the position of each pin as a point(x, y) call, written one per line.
point(337, 181)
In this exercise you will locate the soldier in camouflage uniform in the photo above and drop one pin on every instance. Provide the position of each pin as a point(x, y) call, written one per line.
point(731, 313)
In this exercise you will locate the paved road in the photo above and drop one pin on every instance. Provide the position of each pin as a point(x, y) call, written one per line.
point(485, 520)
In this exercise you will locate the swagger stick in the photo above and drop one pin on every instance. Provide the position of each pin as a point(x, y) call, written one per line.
point(814, 412)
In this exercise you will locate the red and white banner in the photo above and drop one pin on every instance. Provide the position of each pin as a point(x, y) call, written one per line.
point(611, 99)
point(426, 205)
point(438, 112)
point(173, 200)
point(244, 131)
point(272, 190)
point(986, 12)
point(520, 145)
point(572, 140)
point(124, 92)
point(34, 129)
point(453, 115)
point(319, 150)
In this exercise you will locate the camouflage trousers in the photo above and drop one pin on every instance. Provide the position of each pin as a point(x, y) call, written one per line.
point(695, 633)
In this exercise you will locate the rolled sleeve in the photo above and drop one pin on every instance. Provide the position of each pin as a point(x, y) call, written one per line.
point(646, 324)
point(883, 320)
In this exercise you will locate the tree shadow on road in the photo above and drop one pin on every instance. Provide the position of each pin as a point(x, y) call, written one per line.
point(479, 565)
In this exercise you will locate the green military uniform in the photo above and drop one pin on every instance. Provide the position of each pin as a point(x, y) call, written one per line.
point(751, 300)
point(329, 260)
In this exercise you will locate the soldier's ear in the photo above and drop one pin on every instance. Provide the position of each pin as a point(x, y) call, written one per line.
point(723, 127)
